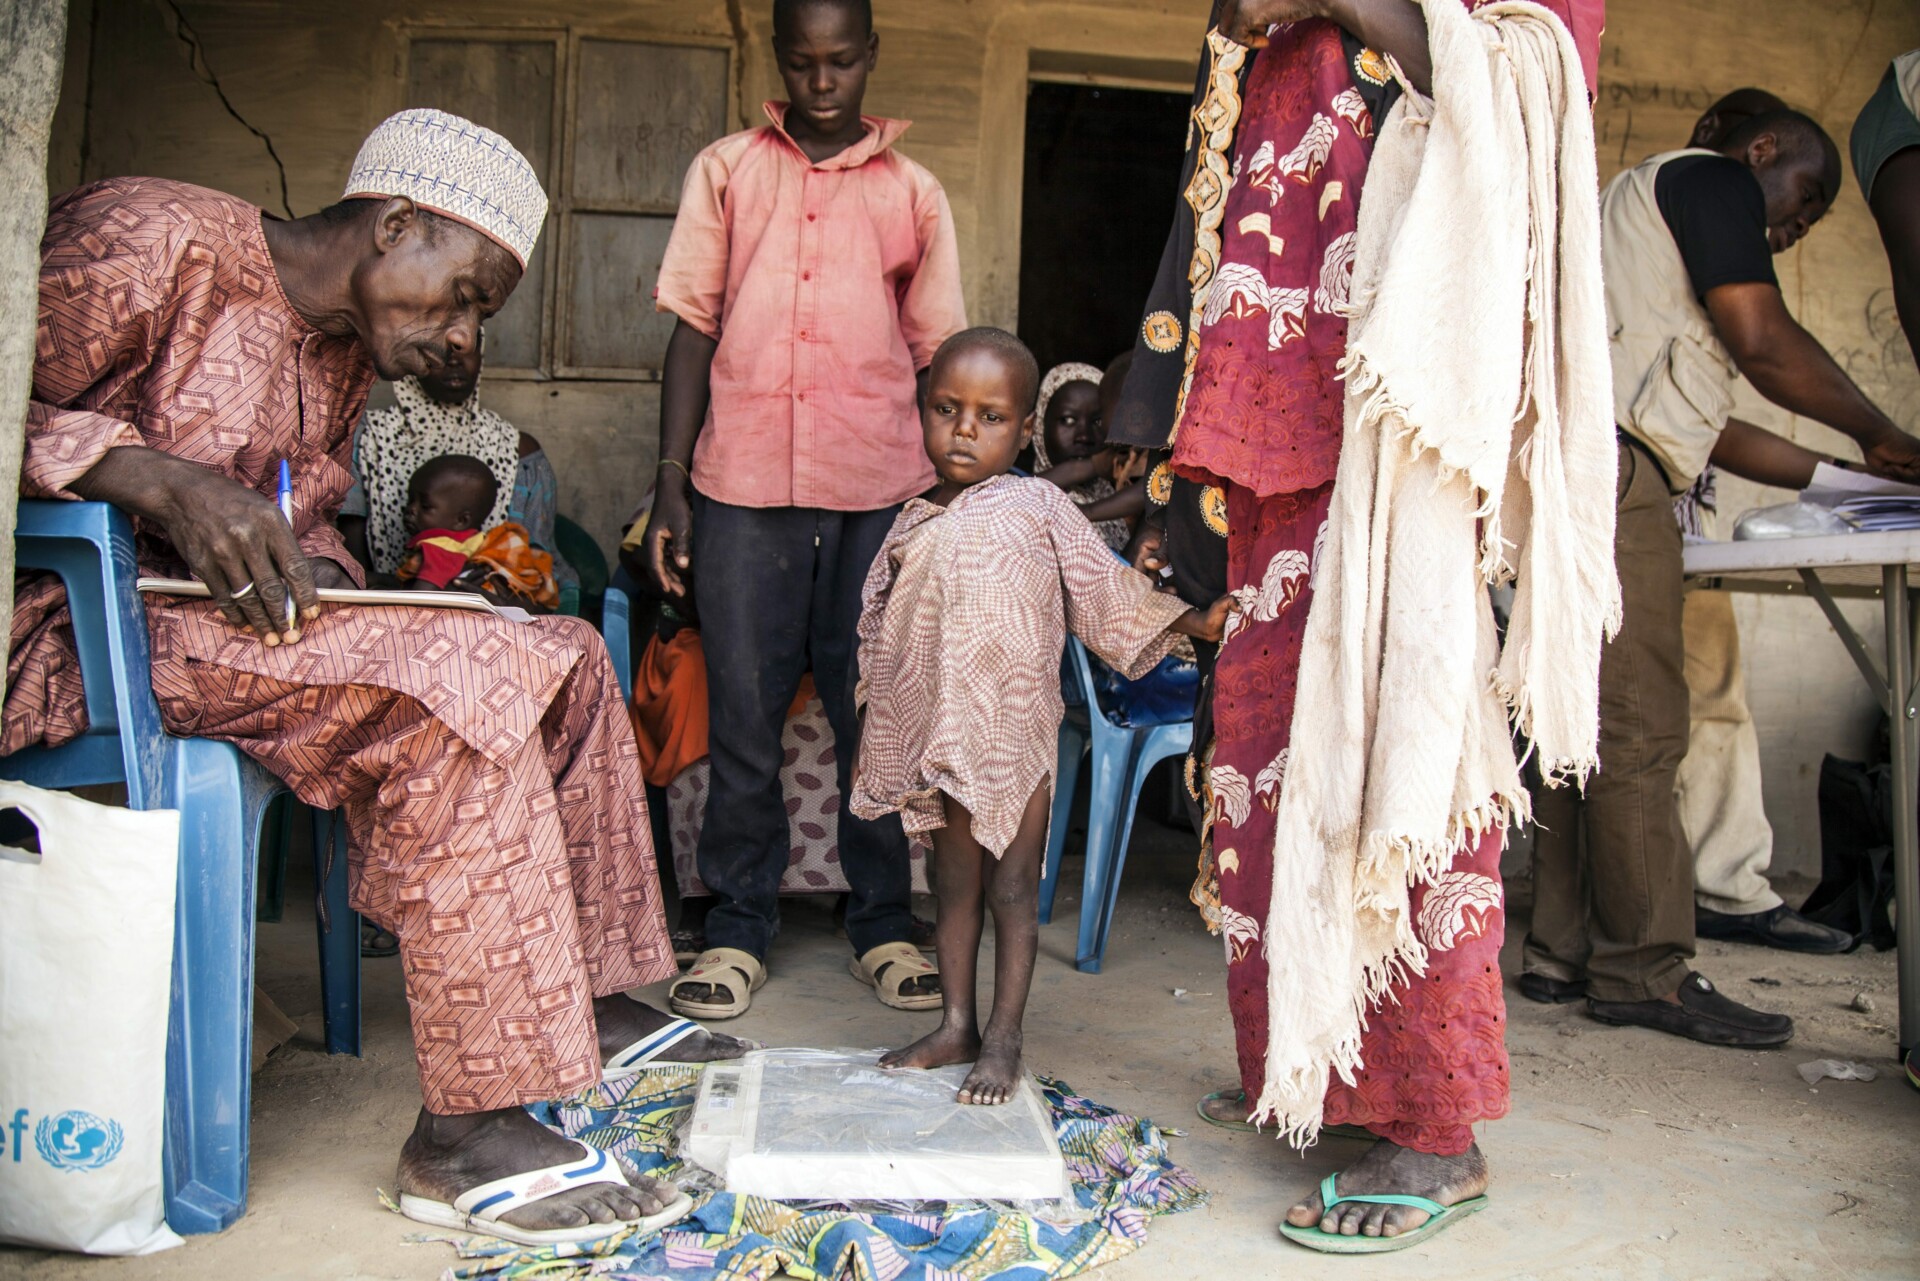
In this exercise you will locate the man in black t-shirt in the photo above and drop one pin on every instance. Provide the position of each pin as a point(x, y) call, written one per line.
point(1692, 303)
point(1721, 812)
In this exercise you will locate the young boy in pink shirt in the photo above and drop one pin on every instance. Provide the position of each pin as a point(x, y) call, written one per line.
point(814, 271)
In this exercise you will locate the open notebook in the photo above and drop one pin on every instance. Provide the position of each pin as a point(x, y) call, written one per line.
point(358, 596)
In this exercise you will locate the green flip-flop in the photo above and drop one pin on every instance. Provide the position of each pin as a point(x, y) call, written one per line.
point(1333, 1243)
point(1248, 1127)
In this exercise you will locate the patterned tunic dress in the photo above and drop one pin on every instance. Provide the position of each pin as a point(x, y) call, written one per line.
point(967, 610)
point(488, 769)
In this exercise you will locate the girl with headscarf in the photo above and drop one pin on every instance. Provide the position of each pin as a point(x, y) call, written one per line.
point(1070, 446)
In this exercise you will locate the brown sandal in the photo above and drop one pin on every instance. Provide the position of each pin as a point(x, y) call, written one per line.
point(889, 968)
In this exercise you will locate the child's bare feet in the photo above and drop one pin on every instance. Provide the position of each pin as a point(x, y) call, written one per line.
point(940, 1048)
point(996, 1073)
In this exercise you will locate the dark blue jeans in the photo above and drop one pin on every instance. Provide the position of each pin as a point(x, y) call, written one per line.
point(778, 590)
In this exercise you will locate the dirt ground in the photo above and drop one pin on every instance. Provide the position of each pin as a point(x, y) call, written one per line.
point(1628, 1154)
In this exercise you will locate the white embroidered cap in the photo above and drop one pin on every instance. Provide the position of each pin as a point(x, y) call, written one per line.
point(457, 168)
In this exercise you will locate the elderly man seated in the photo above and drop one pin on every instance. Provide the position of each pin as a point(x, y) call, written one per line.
point(187, 344)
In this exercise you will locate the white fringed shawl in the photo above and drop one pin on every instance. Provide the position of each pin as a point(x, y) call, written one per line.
point(1479, 447)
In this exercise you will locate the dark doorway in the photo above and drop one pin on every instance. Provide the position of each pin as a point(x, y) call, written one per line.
point(1103, 172)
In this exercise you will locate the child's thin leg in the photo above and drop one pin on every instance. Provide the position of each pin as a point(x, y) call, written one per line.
point(1013, 896)
point(958, 873)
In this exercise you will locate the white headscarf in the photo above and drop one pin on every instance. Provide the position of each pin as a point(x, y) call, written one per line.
point(1057, 377)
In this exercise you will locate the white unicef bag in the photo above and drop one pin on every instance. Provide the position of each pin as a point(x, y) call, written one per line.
point(86, 961)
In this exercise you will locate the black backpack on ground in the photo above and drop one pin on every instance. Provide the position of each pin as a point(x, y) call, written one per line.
point(1855, 893)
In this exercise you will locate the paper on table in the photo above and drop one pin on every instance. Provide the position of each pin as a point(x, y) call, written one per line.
point(358, 596)
point(1833, 485)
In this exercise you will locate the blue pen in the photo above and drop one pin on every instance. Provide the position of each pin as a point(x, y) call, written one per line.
point(286, 510)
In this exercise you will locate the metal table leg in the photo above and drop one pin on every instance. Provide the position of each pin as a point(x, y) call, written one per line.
point(1901, 620)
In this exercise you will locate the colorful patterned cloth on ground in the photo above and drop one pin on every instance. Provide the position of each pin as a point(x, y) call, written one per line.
point(1122, 1178)
point(813, 811)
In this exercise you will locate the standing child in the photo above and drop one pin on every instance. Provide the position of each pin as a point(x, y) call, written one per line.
point(814, 270)
point(967, 609)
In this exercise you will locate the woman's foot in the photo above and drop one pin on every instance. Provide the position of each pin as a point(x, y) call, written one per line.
point(1391, 1169)
point(942, 1047)
point(447, 1156)
point(625, 1022)
point(996, 1072)
point(1227, 1109)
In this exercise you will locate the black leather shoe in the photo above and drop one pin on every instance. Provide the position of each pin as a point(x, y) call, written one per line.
point(1538, 987)
point(1782, 927)
point(1703, 1015)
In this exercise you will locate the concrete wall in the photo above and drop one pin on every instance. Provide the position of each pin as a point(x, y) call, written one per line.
point(314, 77)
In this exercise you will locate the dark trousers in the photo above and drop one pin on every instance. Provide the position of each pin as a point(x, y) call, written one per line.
point(778, 590)
point(1612, 871)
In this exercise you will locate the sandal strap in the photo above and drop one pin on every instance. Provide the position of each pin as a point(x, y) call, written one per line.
point(490, 1201)
point(1330, 1198)
point(720, 961)
point(906, 955)
point(649, 1048)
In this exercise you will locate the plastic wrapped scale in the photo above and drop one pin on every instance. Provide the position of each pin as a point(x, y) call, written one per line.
point(818, 1125)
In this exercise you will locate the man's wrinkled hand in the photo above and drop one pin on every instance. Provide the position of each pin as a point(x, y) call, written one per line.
point(236, 542)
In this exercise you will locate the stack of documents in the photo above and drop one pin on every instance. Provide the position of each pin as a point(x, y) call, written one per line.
point(1865, 502)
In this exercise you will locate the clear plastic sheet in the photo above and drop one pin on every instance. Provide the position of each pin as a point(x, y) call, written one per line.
point(829, 1127)
point(1788, 520)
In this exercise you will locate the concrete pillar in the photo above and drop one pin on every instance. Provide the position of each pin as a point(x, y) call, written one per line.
point(33, 37)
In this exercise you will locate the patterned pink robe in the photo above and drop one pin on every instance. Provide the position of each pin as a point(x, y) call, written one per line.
point(488, 769)
point(967, 610)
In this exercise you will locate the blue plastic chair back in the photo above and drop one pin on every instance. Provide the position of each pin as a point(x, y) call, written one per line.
point(90, 545)
point(222, 798)
point(1121, 758)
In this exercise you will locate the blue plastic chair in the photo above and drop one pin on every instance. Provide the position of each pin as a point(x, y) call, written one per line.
point(1122, 755)
point(222, 798)
point(616, 628)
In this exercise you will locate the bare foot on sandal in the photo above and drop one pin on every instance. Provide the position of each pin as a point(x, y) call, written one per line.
point(940, 1048)
point(447, 1156)
point(996, 1073)
point(624, 1022)
point(1390, 1168)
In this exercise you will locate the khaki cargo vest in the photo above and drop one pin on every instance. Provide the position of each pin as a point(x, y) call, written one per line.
point(1672, 377)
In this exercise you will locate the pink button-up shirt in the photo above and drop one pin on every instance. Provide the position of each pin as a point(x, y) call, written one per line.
point(829, 286)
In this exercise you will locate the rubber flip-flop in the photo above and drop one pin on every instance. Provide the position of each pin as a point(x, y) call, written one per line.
point(479, 1209)
point(1225, 1096)
point(1442, 1217)
point(377, 942)
point(1913, 1070)
point(1248, 1127)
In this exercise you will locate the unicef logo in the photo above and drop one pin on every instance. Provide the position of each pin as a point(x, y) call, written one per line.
point(78, 1140)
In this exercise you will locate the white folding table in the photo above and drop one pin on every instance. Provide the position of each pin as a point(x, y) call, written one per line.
point(1829, 568)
